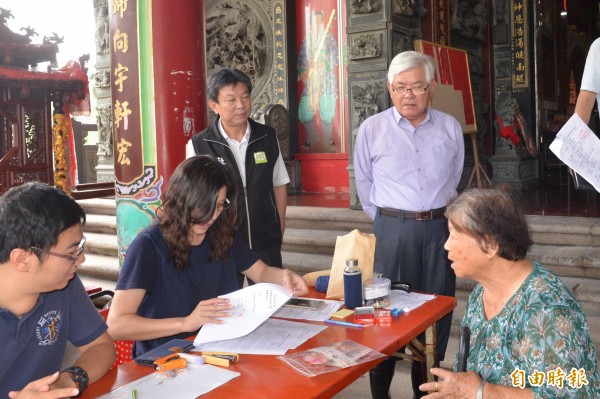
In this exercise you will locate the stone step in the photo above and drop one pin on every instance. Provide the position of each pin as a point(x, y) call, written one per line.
point(99, 206)
point(101, 267)
point(310, 241)
point(101, 244)
point(563, 231)
point(569, 260)
point(98, 223)
point(339, 219)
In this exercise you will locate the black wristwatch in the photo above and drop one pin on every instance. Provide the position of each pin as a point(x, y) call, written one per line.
point(79, 377)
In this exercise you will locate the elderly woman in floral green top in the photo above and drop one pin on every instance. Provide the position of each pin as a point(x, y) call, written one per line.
point(529, 336)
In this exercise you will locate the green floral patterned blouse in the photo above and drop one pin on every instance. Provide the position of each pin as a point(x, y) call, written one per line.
point(539, 340)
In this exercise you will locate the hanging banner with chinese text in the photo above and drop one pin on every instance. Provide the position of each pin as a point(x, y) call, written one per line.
point(519, 45)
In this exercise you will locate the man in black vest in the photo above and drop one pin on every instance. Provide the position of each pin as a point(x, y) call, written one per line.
point(251, 151)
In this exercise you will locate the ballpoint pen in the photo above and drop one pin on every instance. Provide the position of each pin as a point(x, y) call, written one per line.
point(134, 394)
point(344, 323)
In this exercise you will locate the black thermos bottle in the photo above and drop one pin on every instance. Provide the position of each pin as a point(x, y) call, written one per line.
point(352, 284)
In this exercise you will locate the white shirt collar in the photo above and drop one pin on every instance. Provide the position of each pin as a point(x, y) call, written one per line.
point(226, 137)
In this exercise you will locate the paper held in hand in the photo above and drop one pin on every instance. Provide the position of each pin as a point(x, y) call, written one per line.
point(251, 307)
point(579, 148)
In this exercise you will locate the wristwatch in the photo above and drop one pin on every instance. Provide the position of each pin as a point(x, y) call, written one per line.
point(480, 389)
point(79, 377)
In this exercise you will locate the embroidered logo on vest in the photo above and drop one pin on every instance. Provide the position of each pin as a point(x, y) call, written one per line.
point(48, 328)
point(221, 160)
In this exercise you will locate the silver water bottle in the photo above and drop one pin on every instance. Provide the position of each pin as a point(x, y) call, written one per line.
point(352, 284)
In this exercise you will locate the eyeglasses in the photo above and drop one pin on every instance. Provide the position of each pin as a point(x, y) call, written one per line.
point(226, 204)
point(417, 90)
point(73, 258)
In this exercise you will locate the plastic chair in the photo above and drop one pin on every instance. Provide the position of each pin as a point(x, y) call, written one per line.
point(123, 347)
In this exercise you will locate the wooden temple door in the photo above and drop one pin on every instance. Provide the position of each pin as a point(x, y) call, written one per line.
point(25, 138)
point(35, 107)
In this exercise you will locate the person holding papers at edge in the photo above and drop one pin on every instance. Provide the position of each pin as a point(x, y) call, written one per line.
point(589, 93)
point(175, 268)
point(43, 304)
point(529, 335)
point(408, 161)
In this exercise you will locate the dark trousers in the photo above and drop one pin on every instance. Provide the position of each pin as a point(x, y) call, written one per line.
point(271, 256)
point(413, 251)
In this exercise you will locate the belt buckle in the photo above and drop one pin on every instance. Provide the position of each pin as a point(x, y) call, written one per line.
point(424, 215)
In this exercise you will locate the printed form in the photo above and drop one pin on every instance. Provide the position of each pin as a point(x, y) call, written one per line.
point(273, 337)
point(579, 148)
point(251, 307)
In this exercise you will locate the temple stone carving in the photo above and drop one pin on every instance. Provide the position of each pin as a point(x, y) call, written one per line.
point(250, 35)
point(365, 6)
point(105, 170)
point(469, 18)
point(237, 35)
point(365, 45)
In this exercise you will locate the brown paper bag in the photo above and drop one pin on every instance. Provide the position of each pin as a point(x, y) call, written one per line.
point(354, 245)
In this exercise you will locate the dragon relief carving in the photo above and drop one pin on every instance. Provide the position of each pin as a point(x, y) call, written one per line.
point(236, 37)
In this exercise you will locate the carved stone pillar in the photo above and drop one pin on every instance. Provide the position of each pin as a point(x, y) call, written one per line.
point(512, 163)
point(105, 171)
point(377, 31)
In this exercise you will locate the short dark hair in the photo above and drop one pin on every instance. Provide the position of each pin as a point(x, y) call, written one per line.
point(194, 187)
point(225, 77)
point(34, 215)
point(491, 216)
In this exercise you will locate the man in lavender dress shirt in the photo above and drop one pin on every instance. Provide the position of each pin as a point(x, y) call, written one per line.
point(408, 161)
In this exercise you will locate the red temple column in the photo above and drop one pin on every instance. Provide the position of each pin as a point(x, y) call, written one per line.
point(158, 101)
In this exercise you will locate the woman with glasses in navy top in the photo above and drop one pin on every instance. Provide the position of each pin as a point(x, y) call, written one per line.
point(176, 268)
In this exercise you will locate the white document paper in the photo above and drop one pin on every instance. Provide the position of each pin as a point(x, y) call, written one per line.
point(579, 148)
point(273, 337)
point(251, 307)
point(407, 301)
point(187, 383)
point(321, 314)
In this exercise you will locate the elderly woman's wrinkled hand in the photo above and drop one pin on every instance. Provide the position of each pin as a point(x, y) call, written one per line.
point(452, 385)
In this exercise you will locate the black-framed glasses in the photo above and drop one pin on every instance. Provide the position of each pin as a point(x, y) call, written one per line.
point(417, 90)
point(226, 204)
point(73, 258)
